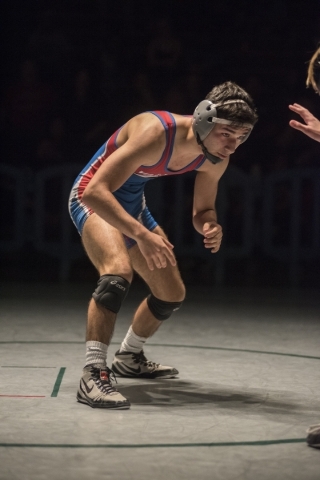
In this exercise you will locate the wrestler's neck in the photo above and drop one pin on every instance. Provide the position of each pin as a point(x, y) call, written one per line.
point(186, 138)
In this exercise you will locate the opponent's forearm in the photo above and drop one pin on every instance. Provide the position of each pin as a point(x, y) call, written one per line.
point(200, 218)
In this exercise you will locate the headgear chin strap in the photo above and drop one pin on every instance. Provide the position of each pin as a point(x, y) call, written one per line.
point(213, 159)
point(204, 119)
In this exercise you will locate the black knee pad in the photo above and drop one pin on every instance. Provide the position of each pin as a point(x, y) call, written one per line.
point(160, 309)
point(111, 291)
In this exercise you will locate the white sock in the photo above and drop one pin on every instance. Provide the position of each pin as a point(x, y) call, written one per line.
point(132, 342)
point(96, 354)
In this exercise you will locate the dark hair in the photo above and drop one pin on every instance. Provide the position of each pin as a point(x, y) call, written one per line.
point(238, 113)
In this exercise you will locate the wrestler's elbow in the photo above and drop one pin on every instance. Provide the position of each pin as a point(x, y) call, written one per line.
point(87, 195)
point(90, 195)
point(95, 195)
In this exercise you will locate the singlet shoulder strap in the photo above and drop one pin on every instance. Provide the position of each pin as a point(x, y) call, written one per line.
point(169, 125)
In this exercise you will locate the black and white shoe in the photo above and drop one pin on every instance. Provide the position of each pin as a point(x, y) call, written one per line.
point(129, 364)
point(313, 436)
point(96, 389)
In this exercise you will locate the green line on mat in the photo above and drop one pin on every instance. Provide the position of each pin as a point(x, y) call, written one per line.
point(58, 382)
point(202, 347)
point(158, 445)
point(22, 366)
point(227, 349)
point(53, 342)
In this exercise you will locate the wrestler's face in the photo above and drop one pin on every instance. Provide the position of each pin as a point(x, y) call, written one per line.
point(223, 140)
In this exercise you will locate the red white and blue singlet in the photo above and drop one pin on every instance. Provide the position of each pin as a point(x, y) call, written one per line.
point(131, 194)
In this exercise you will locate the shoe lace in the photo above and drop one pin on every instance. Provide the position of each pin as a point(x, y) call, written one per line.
point(141, 358)
point(104, 386)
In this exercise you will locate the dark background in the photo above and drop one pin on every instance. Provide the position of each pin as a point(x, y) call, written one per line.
point(74, 71)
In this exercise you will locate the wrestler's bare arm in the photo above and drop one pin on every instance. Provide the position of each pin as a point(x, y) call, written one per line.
point(143, 146)
point(204, 213)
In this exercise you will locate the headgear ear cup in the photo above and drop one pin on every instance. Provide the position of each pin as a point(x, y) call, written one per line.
point(205, 117)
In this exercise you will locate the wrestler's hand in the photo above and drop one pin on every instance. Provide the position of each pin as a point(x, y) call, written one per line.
point(157, 250)
point(311, 126)
point(212, 236)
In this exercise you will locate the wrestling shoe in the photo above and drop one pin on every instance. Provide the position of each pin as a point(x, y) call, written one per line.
point(129, 364)
point(313, 437)
point(96, 389)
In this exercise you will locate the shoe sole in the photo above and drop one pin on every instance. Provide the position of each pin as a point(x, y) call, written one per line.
point(313, 443)
point(109, 405)
point(144, 375)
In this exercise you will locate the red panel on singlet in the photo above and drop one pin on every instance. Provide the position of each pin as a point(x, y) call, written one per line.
point(161, 167)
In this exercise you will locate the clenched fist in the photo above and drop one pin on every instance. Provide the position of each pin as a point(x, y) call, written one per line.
point(212, 236)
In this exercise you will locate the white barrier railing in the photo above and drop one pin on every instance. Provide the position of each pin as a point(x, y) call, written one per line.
point(14, 186)
point(294, 186)
point(64, 248)
point(236, 205)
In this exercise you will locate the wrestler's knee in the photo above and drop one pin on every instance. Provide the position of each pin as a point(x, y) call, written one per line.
point(162, 309)
point(172, 292)
point(163, 304)
point(111, 291)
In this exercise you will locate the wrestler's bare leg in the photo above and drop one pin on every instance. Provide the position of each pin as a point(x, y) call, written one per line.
point(165, 284)
point(107, 251)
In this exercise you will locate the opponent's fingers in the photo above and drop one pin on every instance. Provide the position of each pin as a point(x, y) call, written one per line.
point(312, 132)
point(303, 112)
point(297, 125)
point(295, 107)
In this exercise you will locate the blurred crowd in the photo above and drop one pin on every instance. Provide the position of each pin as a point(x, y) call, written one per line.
point(76, 71)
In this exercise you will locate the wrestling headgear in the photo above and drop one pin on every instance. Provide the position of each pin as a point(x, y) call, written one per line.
point(204, 119)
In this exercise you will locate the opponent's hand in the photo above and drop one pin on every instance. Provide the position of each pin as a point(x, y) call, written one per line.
point(157, 251)
point(311, 127)
point(212, 236)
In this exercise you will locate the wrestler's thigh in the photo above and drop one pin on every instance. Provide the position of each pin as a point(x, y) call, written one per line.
point(164, 283)
point(106, 248)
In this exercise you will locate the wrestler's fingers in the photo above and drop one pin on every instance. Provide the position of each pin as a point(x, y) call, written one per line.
point(169, 255)
point(166, 241)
